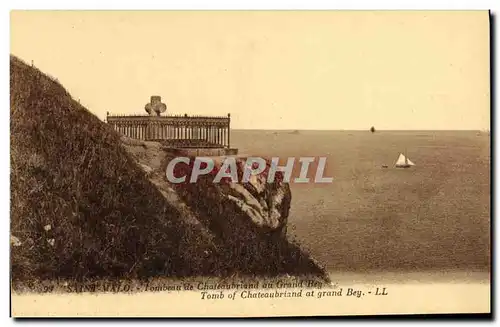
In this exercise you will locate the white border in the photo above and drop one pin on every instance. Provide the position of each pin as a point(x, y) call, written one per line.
point(179, 5)
point(258, 4)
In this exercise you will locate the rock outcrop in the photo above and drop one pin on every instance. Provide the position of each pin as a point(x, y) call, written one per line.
point(263, 206)
point(247, 220)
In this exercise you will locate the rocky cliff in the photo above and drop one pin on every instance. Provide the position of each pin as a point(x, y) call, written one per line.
point(87, 203)
point(247, 220)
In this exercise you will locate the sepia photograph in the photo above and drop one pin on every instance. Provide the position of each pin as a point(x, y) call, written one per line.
point(249, 163)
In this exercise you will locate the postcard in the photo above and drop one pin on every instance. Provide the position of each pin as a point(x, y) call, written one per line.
point(249, 163)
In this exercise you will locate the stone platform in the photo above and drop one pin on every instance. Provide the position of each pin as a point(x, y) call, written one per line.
point(201, 152)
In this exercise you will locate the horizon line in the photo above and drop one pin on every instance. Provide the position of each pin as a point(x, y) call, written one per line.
point(361, 130)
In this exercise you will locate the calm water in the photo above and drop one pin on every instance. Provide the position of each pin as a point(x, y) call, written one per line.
point(434, 216)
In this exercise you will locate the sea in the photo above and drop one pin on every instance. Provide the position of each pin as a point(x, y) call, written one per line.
point(375, 218)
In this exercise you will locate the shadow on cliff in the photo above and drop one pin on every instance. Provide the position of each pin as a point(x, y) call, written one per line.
point(249, 218)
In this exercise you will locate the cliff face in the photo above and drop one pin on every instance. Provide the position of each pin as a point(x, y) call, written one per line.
point(247, 220)
point(262, 206)
point(86, 203)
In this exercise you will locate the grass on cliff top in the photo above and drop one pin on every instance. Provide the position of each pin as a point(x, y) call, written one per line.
point(80, 206)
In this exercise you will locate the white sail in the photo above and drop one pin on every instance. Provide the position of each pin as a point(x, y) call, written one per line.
point(403, 161)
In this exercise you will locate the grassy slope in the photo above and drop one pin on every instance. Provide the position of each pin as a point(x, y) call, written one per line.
point(69, 171)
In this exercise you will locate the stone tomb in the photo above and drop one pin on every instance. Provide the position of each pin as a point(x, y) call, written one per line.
point(181, 134)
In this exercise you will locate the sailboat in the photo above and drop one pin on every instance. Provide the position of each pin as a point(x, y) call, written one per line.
point(403, 161)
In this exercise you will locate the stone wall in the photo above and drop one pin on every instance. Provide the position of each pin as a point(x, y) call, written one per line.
point(200, 152)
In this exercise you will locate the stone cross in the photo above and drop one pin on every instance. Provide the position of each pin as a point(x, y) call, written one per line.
point(155, 106)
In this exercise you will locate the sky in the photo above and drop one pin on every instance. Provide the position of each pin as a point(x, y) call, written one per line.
point(319, 70)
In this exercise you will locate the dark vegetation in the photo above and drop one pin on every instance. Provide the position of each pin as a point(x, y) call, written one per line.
point(69, 171)
point(254, 249)
point(83, 209)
